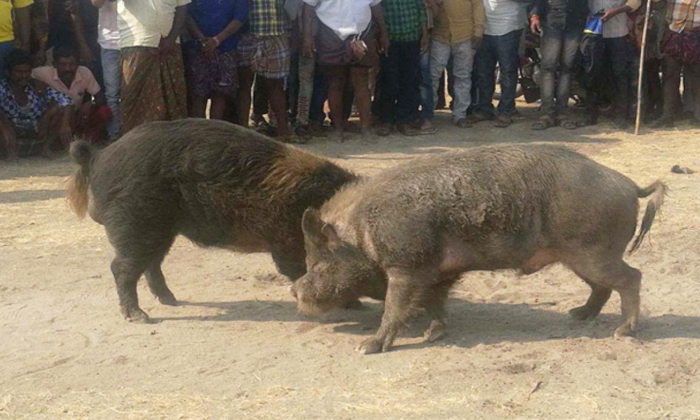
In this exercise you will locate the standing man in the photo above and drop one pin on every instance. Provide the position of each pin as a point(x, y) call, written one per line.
point(153, 74)
point(399, 76)
point(681, 53)
point(21, 10)
point(264, 52)
point(458, 32)
point(346, 46)
point(505, 20)
point(561, 23)
point(212, 71)
point(108, 38)
point(617, 52)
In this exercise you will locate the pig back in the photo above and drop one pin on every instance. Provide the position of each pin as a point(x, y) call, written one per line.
point(216, 183)
point(511, 199)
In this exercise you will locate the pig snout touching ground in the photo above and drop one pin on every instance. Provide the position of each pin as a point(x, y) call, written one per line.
point(407, 234)
point(215, 183)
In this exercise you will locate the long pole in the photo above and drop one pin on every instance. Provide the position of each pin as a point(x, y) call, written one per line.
point(638, 123)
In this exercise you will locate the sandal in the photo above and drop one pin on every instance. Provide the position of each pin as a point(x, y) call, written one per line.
point(426, 128)
point(383, 130)
point(503, 121)
point(303, 132)
point(407, 130)
point(477, 118)
point(462, 123)
point(543, 123)
point(568, 124)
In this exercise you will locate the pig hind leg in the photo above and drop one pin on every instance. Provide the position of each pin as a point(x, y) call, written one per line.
point(127, 272)
point(608, 274)
point(136, 255)
point(156, 283)
point(405, 295)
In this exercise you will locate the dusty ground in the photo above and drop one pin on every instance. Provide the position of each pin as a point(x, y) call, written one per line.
point(236, 348)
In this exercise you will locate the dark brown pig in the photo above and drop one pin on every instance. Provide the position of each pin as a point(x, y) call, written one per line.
point(215, 183)
point(408, 233)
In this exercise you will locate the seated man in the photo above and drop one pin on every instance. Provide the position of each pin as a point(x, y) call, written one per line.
point(31, 119)
point(78, 83)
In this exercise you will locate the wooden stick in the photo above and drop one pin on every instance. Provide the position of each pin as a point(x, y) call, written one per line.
point(638, 122)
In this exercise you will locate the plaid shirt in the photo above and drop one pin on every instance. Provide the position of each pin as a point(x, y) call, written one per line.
point(404, 19)
point(27, 117)
point(683, 14)
point(268, 18)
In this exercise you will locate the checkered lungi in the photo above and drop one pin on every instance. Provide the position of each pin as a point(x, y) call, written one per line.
point(268, 56)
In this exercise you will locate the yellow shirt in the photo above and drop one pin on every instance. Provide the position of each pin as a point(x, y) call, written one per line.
point(7, 32)
point(458, 21)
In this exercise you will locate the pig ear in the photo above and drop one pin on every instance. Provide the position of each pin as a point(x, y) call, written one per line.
point(311, 225)
point(331, 236)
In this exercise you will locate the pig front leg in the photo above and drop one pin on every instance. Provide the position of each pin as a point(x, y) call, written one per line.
point(405, 293)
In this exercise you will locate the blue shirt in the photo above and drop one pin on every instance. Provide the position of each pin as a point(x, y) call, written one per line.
point(212, 16)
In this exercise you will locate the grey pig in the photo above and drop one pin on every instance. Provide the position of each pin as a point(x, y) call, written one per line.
point(407, 234)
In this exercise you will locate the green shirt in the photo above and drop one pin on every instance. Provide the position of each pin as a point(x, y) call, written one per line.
point(404, 19)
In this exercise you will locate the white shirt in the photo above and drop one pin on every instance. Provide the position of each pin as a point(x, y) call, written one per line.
point(107, 30)
point(344, 17)
point(615, 27)
point(504, 16)
point(142, 23)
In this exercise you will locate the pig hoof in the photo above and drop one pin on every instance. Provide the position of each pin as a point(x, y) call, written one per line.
point(582, 313)
point(624, 331)
point(168, 299)
point(435, 334)
point(354, 305)
point(370, 346)
point(137, 316)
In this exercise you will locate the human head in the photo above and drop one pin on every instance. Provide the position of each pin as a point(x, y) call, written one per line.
point(19, 68)
point(66, 63)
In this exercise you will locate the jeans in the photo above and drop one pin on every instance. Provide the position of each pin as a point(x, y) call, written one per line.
point(427, 102)
point(399, 80)
point(618, 55)
point(559, 49)
point(112, 74)
point(462, 55)
point(504, 51)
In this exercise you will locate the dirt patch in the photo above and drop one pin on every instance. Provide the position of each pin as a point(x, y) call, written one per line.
point(236, 347)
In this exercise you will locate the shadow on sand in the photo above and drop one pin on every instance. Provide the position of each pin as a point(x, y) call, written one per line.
point(470, 323)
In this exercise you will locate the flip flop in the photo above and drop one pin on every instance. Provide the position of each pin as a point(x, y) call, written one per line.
point(543, 123)
point(568, 124)
point(503, 122)
point(406, 130)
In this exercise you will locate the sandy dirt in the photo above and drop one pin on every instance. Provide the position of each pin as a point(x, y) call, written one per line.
point(236, 348)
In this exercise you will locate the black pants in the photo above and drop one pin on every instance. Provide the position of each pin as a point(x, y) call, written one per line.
point(399, 84)
point(618, 53)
